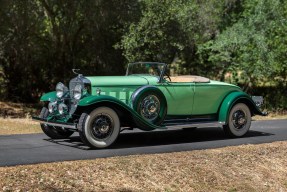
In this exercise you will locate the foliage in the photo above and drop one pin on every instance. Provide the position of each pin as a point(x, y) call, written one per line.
point(170, 32)
point(43, 40)
point(254, 45)
point(240, 41)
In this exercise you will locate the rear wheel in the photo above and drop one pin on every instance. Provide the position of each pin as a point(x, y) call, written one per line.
point(99, 128)
point(51, 131)
point(239, 121)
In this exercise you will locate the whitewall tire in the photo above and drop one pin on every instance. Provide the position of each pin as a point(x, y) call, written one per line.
point(99, 128)
point(239, 120)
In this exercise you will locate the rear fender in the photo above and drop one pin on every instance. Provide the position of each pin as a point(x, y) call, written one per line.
point(232, 99)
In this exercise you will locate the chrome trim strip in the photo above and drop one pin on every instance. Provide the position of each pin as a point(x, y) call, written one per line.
point(56, 124)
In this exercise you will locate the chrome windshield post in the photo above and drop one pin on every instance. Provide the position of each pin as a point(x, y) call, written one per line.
point(162, 73)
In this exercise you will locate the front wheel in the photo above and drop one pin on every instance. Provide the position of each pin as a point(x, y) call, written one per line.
point(99, 128)
point(239, 121)
point(51, 131)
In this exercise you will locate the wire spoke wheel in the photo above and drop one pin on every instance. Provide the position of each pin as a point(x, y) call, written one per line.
point(102, 126)
point(99, 128)
point(239, 121)
point(150, 103)
point(150, 107)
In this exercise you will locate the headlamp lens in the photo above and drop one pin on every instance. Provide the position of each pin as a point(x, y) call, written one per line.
point(60, 90)
point(78, 92)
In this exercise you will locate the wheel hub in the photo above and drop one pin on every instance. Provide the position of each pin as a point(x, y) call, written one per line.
point(102, 126)
point(150, 107)
point(239, 119)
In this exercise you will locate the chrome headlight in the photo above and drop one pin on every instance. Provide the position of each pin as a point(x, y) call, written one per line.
point(61, 89)
point(52, 106)
point(78, 92)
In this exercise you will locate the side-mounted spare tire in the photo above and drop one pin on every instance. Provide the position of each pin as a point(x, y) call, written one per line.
point(150, 103)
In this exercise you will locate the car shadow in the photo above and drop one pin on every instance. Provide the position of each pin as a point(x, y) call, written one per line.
point(134, 139)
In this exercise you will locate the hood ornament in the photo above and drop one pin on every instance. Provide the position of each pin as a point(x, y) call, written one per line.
point(75, 71)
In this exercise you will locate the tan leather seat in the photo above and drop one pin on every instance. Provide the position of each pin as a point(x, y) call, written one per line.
point(189, 78)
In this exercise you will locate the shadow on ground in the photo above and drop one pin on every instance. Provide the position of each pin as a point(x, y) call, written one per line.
point(157, 138)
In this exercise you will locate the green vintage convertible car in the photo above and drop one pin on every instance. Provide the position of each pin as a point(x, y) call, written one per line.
point(99, 108)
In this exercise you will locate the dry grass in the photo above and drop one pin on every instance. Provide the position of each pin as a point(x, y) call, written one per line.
point(272, 116)
point(15, 118)
point(244, 168)
point(18, 126)
point(17, 110)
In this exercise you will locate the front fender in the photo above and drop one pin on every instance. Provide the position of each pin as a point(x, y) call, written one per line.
point(51, 96)
point(112, 101)
point(233, 98)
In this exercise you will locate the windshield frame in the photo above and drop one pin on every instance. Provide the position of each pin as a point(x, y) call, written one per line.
point(153, 63)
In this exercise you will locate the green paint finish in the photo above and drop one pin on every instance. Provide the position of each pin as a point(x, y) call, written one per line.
point(179, 97)
point(208, 96)
point(51, 96)
point(120, 87)
point(233, 98)
point(142, 123)
point(122, 93)
point(182, 98)
point(114, 81)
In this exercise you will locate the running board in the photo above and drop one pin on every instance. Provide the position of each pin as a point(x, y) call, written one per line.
point(72, 126)
point(194, 124)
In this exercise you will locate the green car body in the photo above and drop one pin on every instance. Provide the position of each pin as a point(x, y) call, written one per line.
point(166, 103)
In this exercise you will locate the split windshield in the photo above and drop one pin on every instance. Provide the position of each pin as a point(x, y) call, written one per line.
point(153, 69)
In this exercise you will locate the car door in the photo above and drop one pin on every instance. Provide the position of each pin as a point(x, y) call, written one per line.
point(179, 97)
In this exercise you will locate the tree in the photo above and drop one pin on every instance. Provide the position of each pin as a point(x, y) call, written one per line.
point(254, 45)
point(172, 31)
point(42, 40)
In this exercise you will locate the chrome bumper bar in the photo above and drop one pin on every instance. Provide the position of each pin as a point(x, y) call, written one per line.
point(56, 124)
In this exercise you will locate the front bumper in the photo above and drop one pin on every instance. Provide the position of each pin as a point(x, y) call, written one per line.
point(72, 126)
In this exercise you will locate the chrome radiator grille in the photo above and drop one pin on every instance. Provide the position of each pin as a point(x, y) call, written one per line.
point(73, 102)
point(73, 84)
